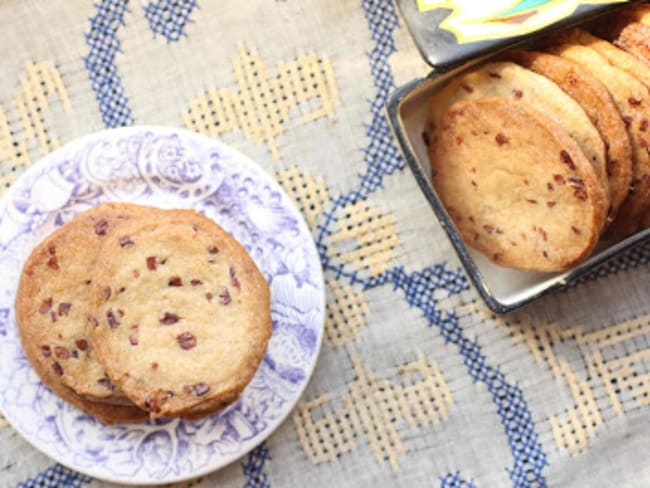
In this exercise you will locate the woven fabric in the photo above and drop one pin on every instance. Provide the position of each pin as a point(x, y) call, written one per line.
point(418, 384)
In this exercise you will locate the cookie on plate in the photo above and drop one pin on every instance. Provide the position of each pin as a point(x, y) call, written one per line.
point(510, 81)
point(597, 103)
point(53, 296)
point(517, 186)
point(182, 312)
point(633, 102)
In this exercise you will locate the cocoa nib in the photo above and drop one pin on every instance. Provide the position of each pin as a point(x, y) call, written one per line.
point(575, 229)
point(64, 308)
point(198, 389)
point(101, 226)
point(133, 340)
point(151, 263)
point(209, 296)
point(518, 94)
point(169, 318)
point(468, 88)
point(643, 125)
point(635, 102)
point(550, 204)
point(155, 399)
point(492, 74)
point(213, 249)
point(106, 293)
point(559, 179)
point(126, 241)
point(566, 159)
point(56, 367)
point(233, 278)
point(106, 383)
point(154, 365)
point(579, 189)
point(488, 228)
point(61, 352)
point(82, 344)
point(186, 340)
point(113, 323)
point(46, 351)
point(196, 282)
point(45, 306)
point(52, 263)
point(501, 139)
point(175, 281)
point(224, 297)
point(52, 248)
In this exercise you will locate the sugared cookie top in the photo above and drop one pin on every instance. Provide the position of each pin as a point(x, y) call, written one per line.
point(515, 184)
point(182, 313)
point(510, 81)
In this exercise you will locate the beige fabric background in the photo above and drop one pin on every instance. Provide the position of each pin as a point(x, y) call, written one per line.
point(450, 395)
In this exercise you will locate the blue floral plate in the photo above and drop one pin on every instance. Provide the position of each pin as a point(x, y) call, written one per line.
point(168, 168)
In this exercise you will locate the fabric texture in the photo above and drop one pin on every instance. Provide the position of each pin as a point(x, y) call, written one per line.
point(418, 383)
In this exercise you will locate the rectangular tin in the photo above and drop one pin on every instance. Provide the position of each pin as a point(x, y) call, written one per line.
point(502, 289)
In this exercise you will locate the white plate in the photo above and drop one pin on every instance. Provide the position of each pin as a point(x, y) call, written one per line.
point(168, 168)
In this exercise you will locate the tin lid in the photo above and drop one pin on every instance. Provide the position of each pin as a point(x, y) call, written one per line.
point(449, 32)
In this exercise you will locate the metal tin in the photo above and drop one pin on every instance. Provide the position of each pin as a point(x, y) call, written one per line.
point(450, 32)
point(502, 289)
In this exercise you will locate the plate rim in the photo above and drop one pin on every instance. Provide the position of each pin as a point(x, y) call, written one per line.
point(42, 163)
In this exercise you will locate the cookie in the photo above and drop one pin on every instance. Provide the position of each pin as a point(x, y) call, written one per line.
point(107, 413)
point(192, 320)
point(635, 39)
point(633, 103)
point(516, 185)
point(597, 103)
point(510, 81)
point(52, 305)
point(615, 56)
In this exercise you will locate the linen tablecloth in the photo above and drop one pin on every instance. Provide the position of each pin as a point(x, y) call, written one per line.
point(417, 384)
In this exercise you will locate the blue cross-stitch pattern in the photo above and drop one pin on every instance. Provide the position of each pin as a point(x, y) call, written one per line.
point(56, 476)
point(254, 468)
point(100, 63)
point(454, 480)
point(383, 158)
point(169, 17)
point(529, 458)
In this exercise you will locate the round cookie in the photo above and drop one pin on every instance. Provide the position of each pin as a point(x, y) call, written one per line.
point(52, 304)
point(633, 103)
point(191, 324)
point(510, 81)
point(635, 39)
point(517, 186)
point(615, 56)
point(597, 103)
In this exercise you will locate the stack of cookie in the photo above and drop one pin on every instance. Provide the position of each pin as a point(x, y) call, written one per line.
point(540, 154)
point(131, 312)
